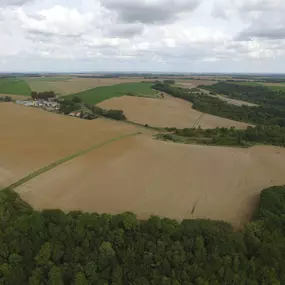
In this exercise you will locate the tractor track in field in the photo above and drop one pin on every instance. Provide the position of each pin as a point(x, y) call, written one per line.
point(65, 159)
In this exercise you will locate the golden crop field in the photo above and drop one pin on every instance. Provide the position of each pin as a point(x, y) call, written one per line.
point(150, 177)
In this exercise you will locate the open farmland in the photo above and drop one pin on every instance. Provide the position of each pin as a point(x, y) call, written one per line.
point(167, 112)
point(14, 86)
point(150, 177)
point(71, 85)
point(187, 83)
point(99, 94)
point(32, 138)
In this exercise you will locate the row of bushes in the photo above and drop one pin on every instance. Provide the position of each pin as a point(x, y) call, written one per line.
point(273, 135)
point(43, 95)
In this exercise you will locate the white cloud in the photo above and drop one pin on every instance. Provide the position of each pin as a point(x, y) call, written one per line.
point(170, 35)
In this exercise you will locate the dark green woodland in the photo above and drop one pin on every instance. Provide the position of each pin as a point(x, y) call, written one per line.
point(55, 248)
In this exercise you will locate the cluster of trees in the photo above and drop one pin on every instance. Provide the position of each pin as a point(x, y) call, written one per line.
point(90, 112)
point(55, 248)
point(5, 99)
point(270, 112)
point(169, 81)
point(273, 135)
point(112, 114)
point(42, 95)
point(68, 106)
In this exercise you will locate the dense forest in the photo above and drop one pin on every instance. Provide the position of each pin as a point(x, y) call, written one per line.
point(54, 248)
point(273, 135)
point(270, 111)
point(257, 93)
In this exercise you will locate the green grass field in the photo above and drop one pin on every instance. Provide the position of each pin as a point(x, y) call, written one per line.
point(99, 94)
point(14, 86)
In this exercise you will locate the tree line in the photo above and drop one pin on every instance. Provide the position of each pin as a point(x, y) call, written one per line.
point(272, 135)
point(271, 110)
point(42, 95)
point(56, 248)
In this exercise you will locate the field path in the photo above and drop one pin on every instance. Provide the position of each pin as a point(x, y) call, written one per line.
point(65, 159)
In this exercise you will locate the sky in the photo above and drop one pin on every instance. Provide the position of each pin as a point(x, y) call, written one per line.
point(242, 36)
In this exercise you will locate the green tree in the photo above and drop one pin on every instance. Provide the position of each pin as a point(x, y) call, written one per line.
point(80, 279)
point(55, 276)
point(44, 255)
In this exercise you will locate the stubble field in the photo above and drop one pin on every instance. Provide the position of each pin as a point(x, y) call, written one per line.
point(150, 177)
point(32, 138)
point(167, 112)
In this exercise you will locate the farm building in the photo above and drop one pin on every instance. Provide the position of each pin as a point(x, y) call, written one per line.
point(25, 103)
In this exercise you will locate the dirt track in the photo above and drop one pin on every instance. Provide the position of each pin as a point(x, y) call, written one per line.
point(32, 138)
point(151, 177)
point(235, 102)
point(167, 112)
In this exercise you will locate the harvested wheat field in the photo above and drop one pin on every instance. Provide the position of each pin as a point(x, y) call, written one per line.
point(32, 138)
point(151, 177)
point(75, 85)
point(167, 112)
point(194, 83)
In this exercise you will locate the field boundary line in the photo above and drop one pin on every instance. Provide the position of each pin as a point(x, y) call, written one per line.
point(65, 159)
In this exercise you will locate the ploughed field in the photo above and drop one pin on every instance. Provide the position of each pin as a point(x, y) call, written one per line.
point(33, 138)
point(151, 177)
point(167, 112)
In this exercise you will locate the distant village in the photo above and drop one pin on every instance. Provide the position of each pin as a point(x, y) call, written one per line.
point(74, 107)
point(47, 104)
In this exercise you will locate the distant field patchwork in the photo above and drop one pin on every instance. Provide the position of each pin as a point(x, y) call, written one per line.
point(63, 85)
point(99, 94)
point(273, 86)
point(14, 86)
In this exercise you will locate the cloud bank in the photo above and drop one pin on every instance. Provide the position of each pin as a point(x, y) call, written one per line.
point(142, 35)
